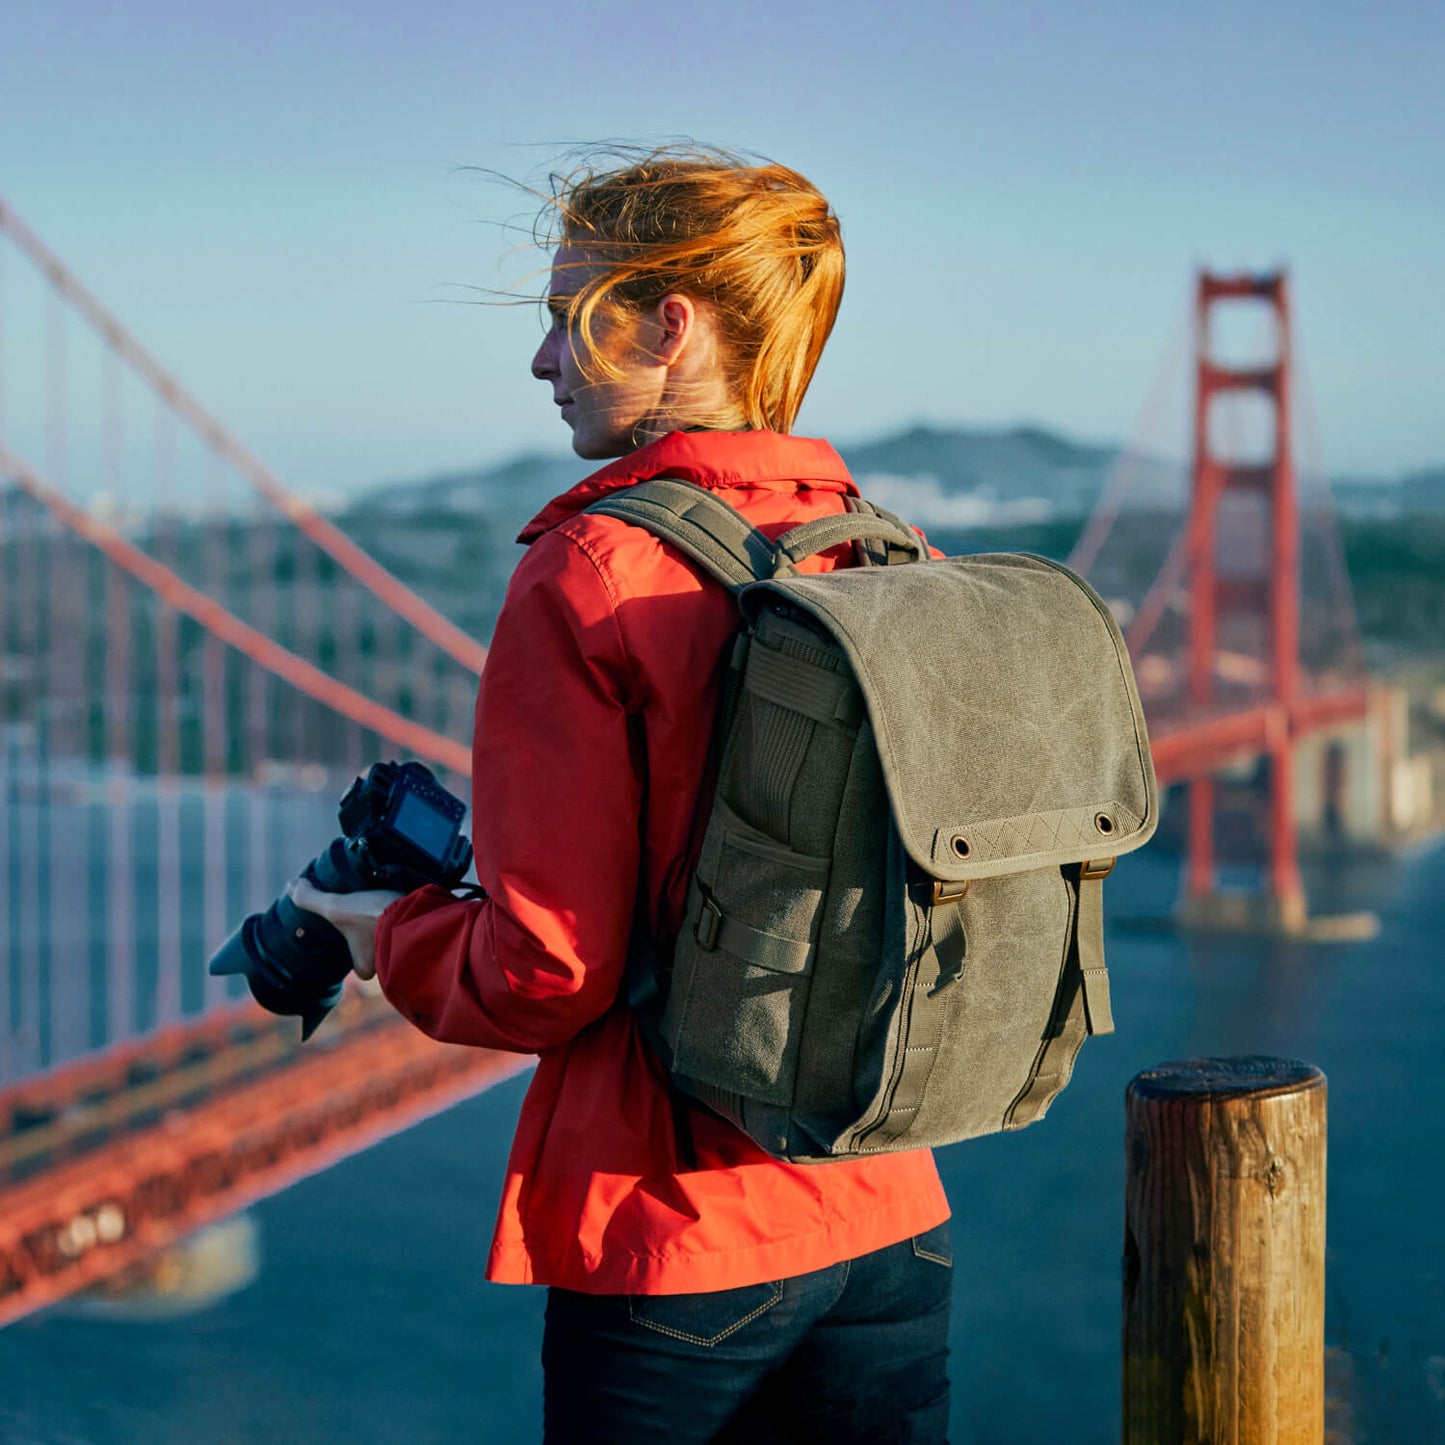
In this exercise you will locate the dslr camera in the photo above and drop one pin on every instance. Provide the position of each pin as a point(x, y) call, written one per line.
point(400, 830)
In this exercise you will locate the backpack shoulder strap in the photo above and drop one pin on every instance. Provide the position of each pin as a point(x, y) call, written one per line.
point(720, 539)
point(715, 535)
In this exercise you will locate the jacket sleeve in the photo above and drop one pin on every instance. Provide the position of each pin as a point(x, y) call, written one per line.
point(556, 801)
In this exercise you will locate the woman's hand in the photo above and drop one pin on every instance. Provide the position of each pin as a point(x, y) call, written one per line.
point(353, 914)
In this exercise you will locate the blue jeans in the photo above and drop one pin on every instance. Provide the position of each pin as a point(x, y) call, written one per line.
point(857, 1352)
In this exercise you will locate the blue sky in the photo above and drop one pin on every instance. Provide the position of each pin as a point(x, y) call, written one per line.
point(273, 198)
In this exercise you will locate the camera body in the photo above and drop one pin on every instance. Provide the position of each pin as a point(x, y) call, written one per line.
point(400, 830)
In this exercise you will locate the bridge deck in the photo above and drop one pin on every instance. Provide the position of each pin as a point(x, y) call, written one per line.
point(111, 1159)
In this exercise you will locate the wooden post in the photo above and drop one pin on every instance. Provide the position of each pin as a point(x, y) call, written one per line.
point(1224, 1254)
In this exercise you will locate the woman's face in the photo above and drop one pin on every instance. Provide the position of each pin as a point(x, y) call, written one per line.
point(609, 415)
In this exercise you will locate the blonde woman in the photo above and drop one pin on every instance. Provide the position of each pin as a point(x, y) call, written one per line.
point(699, 1289)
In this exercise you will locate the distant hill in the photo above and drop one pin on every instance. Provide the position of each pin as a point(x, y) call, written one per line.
point(964, 475)
point(1422, 491)
point(950, 477)
point(939, 476)
point(452, 536)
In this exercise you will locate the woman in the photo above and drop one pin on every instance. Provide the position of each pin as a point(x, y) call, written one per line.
point(699, 1289)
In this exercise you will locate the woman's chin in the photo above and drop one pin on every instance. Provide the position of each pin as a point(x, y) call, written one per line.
point(599, 449)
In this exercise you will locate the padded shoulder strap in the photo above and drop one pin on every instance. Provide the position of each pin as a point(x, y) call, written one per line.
point(715, 535)
point(721, 539)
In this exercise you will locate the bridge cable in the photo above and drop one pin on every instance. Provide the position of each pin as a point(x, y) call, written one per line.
point(175, 592)
point(330, 538)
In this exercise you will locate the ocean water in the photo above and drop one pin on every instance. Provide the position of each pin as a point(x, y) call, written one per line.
point(367, 1320)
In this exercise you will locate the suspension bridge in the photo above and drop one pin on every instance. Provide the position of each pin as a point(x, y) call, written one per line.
point(194, 662)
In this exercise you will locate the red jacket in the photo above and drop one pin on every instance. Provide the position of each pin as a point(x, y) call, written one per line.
point(591, 738)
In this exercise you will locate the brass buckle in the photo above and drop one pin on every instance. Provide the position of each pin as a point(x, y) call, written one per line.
point(1091, 869)
point(957, 891)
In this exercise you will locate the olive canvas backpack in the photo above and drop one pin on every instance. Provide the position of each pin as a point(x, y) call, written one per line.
point(925, 769)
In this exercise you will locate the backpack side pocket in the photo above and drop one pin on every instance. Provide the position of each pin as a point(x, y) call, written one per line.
point(743, 963)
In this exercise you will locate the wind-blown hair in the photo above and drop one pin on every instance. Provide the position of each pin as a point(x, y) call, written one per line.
point(752, 241)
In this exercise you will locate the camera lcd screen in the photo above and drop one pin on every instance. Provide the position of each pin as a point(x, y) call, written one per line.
point(422, 825)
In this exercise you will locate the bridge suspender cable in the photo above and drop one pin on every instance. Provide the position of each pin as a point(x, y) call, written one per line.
point(175, 592)
point(1126, 467)
point(370, 573)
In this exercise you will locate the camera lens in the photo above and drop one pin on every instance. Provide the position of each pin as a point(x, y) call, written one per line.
point(294, 961)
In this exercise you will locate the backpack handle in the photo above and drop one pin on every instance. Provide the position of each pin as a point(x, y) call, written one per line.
point(823, 532)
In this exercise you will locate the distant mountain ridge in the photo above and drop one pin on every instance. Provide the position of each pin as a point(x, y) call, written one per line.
point(938, 476)
point(1418, 491)
point(453, 536)
point(967, 477)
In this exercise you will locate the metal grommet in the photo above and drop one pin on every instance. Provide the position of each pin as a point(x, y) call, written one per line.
point(960, 846)
point(1104, 823)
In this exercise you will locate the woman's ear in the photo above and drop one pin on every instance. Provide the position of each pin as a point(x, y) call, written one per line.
point(676, 318)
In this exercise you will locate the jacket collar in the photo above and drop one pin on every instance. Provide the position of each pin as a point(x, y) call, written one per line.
point(709, 459)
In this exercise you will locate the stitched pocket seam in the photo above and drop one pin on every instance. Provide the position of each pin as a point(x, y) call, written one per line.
point(946, 1260)
point(705, 1340)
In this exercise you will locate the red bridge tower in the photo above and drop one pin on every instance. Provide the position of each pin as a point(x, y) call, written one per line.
point(1271, 596)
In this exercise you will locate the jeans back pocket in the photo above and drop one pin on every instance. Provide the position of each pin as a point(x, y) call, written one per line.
point(703, 1319)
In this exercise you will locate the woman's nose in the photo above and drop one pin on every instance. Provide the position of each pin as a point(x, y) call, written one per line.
point(544, 361)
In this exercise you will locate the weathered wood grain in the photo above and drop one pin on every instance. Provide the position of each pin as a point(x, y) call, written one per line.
point(1224, 1251)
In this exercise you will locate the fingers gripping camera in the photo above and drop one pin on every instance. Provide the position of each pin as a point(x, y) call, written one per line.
point(353, 915)
point(400, 831)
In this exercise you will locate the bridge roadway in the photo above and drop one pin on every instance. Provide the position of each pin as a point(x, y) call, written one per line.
point(1193, 746)
point(108, 1160)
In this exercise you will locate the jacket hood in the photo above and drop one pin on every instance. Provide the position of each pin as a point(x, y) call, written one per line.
point(709, 459)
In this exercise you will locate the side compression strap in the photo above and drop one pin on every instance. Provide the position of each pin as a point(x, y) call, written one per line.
point(1090, 945)
point(713, 929)
point(1083, 1002)
point(924, 1027)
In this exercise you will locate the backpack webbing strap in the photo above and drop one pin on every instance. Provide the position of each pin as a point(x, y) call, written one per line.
point(713, 534)
point(795, 683)
point(1087, 987)
point(721, 539)
point(772, 951)
point(927, 1019)
point(1090, 945)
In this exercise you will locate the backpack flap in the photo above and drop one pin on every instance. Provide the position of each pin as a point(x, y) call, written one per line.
point(1004, 707)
